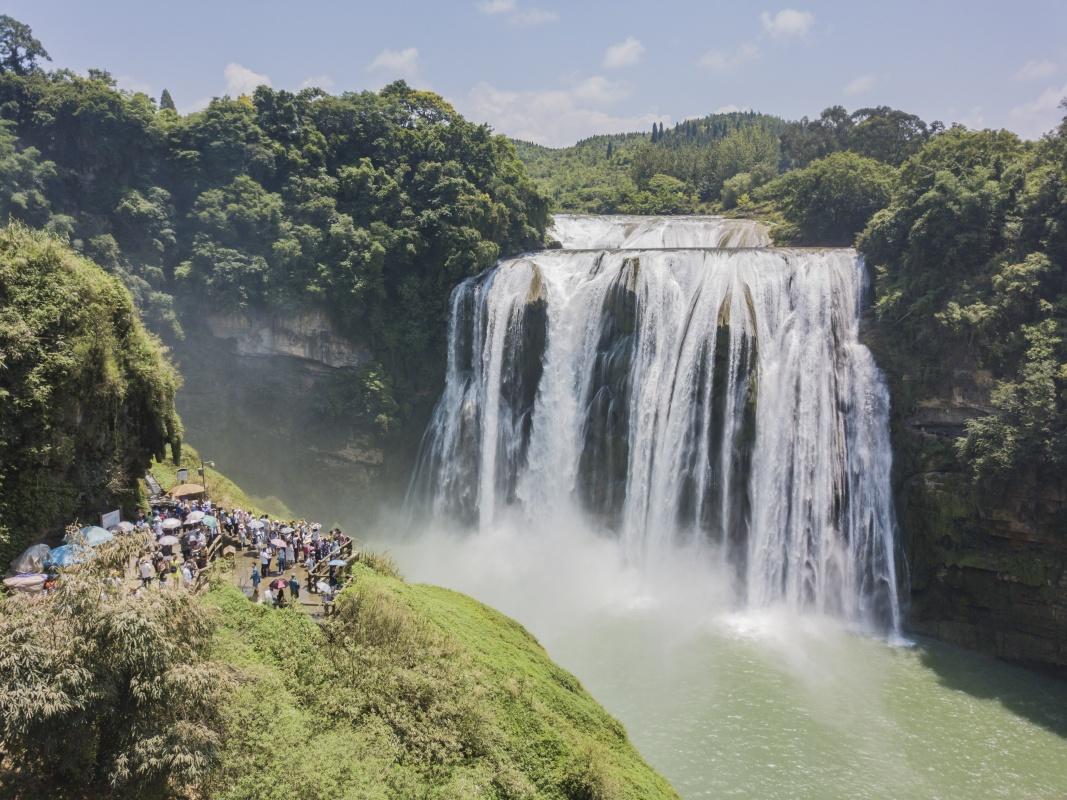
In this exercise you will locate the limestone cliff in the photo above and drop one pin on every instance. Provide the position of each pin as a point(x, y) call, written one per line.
point(987, 564)
point(274, 400)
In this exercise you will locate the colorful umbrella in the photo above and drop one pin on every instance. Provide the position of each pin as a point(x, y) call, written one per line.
point(30, 582)
point(187, 490)
point(69, 554)
point(337, 562)
point(32, 558)
point(278, 542)
point(93, 535)
point(210, 521)
point(279, 583)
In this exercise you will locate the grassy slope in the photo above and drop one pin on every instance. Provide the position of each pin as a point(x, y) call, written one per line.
point(432, 695)
point(224, 492)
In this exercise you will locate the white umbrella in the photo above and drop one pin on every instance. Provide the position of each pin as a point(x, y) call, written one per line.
point(322, 586)
point(168, 540)
point(124, 527)
point(286, 529)
point(194, 517)
point(316, 527)
point(256, 524)
point(278, 542)
point(171, 523)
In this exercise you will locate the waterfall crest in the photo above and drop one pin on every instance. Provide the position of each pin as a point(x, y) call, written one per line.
point(675, 380)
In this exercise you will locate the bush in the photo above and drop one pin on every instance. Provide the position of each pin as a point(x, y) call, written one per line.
point(104, 693)
point(830, 201)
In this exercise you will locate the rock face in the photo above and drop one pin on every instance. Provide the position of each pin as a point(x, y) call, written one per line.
point(275, 401)
point(987, 564)
point(306, 335)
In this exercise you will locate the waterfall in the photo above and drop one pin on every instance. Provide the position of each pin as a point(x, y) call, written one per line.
point(676, 380)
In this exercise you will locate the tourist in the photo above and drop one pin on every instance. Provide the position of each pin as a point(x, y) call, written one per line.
point(294, 587)
point(264, 558)
point(146, 571)
point(281, 560)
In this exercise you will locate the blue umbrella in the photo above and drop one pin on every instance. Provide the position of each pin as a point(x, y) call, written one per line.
point(210, 521)
point(337, 562)
point(68, 554)
point(95, 535)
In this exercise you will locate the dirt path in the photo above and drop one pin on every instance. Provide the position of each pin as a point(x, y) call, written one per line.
point(308, 602)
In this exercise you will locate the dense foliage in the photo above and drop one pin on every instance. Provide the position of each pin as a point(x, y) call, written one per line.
point(829, 201)
point(105, 694)
point(372, 205)
point(719, 160)
point(971, 260)
point(86, 394)
point(410, 691)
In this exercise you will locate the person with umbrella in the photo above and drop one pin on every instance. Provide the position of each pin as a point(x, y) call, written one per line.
point(277, 587)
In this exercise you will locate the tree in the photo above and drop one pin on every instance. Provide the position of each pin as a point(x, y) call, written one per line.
point(19, 50)
point(88, 396)
point(167, 102)
point(831, 200)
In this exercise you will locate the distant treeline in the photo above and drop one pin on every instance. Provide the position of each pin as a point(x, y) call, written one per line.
point(713, 159)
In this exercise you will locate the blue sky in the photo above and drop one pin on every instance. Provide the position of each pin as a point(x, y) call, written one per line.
point(554, 72)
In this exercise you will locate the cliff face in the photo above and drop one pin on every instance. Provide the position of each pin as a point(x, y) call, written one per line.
point(987, 564)
point(274, 400)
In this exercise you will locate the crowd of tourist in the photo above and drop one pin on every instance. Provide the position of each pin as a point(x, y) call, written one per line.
point(185, 530)
point(183, 536)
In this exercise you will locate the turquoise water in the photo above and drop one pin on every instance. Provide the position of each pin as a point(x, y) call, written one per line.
point(767, 704)
point(819, 713)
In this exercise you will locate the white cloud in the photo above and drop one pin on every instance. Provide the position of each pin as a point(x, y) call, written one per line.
point(241, 80)
point(324, 82)
point(555, 117)
point(1035, 69)
point(497, 6)
point(731, 108)
point(787, 22)
point(624, 53)
point(728, 60)
point(533, 16)
point(515, 15)
point(860, 85)
point(1041, 114)
point(396, 63)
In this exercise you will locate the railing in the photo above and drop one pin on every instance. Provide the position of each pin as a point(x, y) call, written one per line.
point(213, 549)
point(345, 552)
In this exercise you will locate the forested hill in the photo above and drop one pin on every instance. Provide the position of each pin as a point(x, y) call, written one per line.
point(714, 161)
point(371, 205)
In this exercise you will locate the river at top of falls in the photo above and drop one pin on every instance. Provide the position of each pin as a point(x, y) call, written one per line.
point(672, 389)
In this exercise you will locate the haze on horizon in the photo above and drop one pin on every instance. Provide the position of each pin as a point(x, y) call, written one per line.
point(553, 73)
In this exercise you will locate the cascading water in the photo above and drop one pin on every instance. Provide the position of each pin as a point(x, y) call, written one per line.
point(676, 381)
